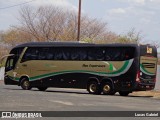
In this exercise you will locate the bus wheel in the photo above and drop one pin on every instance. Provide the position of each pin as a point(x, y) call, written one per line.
point(93, 88)
point(25, 84)
point(42, 88)
point(107, 89)
point(123, 93)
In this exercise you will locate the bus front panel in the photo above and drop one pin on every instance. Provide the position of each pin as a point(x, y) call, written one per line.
point(148, 67)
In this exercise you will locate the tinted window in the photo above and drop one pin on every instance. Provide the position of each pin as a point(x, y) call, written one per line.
point(76, 54)
point(13, 59)
point(31, 54)
point(79, 53)
point(43, 54)
point(96, 54)
point(10, 63)
point(119, 54)
point(61, 53)
point(68, 53)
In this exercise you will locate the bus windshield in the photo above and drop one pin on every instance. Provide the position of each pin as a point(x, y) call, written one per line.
point(12, 60)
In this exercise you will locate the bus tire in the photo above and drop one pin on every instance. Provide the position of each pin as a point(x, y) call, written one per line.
point(93, 88)
point(25, 84)
point(107, 89)
point(42, 88)
point(124, 93)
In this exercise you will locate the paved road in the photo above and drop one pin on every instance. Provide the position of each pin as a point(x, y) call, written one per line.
point(13, 98)
point(157, 87)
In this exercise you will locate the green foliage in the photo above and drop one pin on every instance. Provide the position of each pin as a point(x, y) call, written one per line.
point(131, 37)
point(87, 40)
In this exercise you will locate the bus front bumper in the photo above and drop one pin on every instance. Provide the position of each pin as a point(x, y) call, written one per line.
point(9, 81)
point(145, 87)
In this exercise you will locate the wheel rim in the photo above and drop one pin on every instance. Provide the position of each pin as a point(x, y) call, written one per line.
point(93, 88)
point(26, 84)
point(106, 88)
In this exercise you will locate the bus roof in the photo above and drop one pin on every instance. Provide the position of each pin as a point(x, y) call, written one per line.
point(72, 44)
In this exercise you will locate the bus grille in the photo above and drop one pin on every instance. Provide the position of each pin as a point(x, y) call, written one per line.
point(148, 65)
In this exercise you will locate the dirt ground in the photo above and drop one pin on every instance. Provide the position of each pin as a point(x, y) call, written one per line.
point(155, 94)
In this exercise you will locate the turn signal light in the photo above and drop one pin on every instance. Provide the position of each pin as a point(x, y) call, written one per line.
point(138, 77)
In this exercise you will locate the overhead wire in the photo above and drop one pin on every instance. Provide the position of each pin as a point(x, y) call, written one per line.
point(17, 4)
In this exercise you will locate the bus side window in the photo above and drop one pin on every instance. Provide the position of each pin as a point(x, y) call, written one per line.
point(66, 53)
point(99, 54)
point(58, 54)
point(43, 53)
point(75, 54)
point(91, 54)
point(129, 53)
point(82, 54)
point(50, 56)
point(108, 54)
point(96, 54)
point(114, 54)
point(117, 55)
point(30, 54)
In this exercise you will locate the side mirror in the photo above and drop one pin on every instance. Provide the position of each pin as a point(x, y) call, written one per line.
point(3, 59)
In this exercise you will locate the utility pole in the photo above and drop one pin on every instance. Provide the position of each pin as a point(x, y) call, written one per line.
point(79, 21)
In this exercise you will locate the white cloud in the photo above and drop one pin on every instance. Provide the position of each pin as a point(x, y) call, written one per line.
point(141, 2)
point(35, 3)
point(104, 0)
point(62, 3)
point(156, 1)
point(145, 21)
point(117, 11)
point(143, 15)
point(9, 14)
point(131, 14)
point(138, 1)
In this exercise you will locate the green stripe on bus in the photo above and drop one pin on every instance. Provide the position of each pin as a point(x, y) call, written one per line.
point(145, 71)
point(122, 70)
point(126, 65)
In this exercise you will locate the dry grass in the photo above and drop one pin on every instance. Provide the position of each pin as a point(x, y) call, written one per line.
point(154, 94)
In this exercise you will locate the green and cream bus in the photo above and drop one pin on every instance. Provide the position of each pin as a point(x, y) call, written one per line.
point(99, 68)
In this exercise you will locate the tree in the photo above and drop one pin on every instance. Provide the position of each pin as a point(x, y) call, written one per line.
point(12, 37)
point(155, 43)
point(131, 37)
point(50, 23)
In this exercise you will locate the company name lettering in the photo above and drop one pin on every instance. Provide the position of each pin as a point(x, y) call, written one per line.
point(91, 65)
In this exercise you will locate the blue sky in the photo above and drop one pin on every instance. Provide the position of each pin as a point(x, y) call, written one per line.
point(121, 15)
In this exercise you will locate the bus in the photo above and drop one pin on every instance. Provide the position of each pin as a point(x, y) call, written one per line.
point(98, 68)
